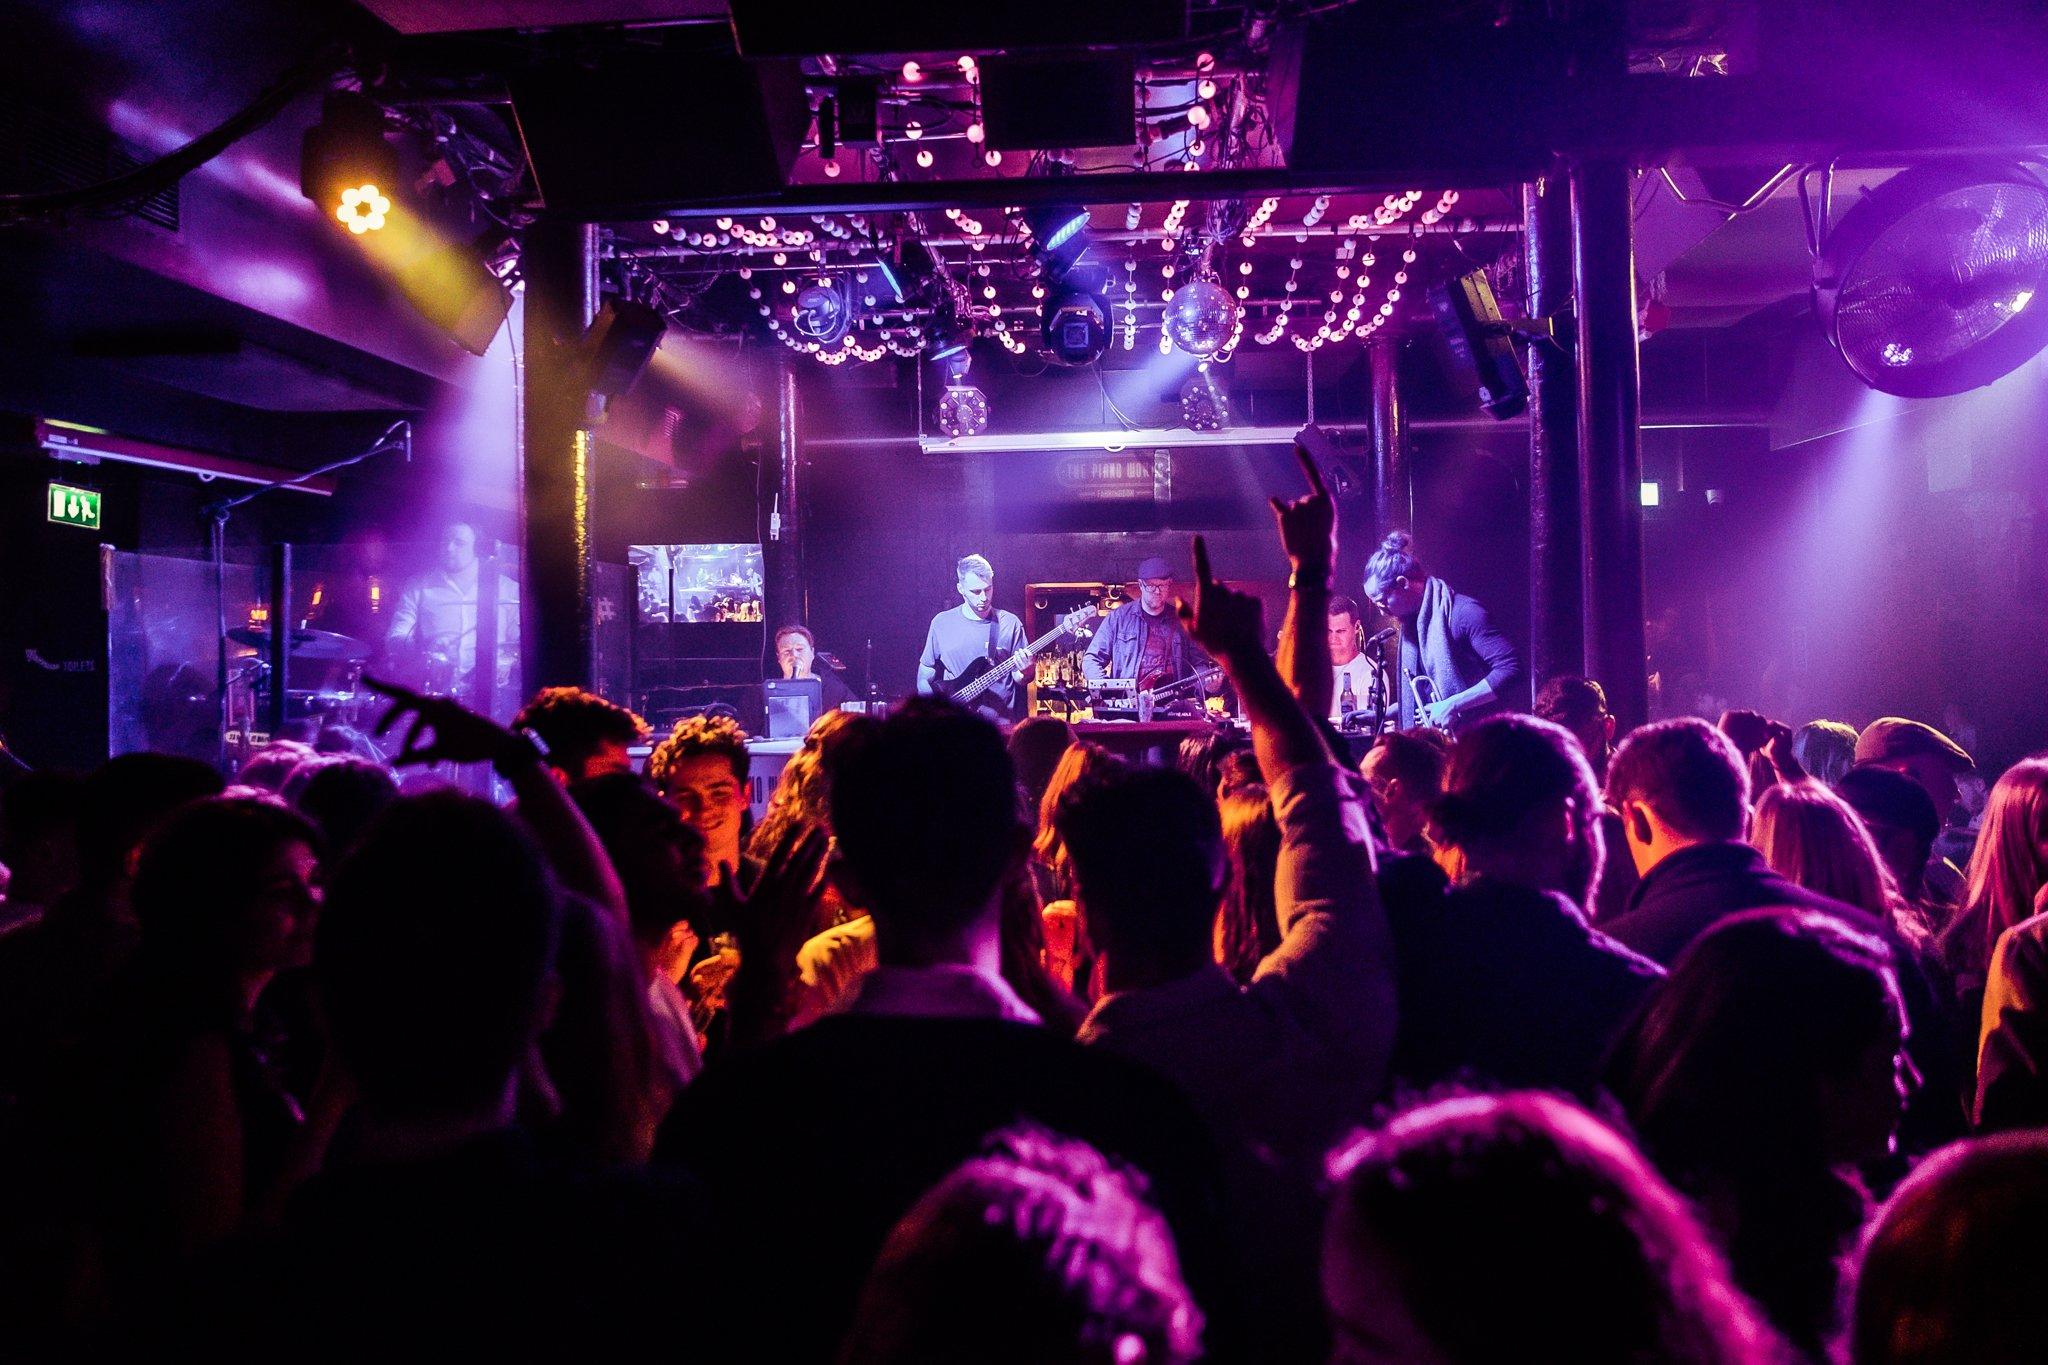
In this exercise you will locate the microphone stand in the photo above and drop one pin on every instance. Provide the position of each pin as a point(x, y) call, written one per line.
point(397, 436)
point(1376, 648)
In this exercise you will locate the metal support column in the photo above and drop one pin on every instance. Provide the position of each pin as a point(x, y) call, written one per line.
point(1557, 609)
point(1610, 437)
point(280, 644)
point(559, 262)
point(1393, 507)
point(786, 597)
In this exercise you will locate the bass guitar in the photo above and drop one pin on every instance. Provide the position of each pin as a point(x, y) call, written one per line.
point(985, 673)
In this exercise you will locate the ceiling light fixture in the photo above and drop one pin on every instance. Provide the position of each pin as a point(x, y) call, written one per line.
point(1925, 287)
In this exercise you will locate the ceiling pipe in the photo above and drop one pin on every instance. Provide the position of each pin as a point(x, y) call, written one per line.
point(1460, 227)
point(896, 196)
point(1183, 438)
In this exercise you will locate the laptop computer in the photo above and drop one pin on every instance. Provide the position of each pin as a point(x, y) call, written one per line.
point(792, 705)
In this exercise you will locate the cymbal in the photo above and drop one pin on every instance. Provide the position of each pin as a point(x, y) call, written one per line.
point(321, 645)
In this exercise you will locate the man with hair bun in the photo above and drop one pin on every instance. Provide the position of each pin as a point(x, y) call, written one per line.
point(1446, 638)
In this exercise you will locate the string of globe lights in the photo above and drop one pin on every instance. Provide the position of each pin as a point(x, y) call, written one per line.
point(1201, 315)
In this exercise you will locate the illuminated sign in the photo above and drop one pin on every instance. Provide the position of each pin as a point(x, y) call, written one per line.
point(1115, 476)
point(70, 506)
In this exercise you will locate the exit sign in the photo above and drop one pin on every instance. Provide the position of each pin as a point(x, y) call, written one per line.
point(74, 506)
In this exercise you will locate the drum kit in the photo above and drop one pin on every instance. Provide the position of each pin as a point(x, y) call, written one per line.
point(325, 688)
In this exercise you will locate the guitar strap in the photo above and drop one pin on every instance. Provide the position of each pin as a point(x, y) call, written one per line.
point(995, 623)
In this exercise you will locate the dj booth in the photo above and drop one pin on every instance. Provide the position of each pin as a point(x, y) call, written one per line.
point(1150, 742)
point(766, 758)
point(1141, 742)
point(1146, 741)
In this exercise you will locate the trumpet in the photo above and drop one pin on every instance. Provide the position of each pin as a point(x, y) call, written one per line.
point(1423, 690)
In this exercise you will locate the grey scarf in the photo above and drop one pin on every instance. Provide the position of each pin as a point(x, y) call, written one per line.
point(1434, 658)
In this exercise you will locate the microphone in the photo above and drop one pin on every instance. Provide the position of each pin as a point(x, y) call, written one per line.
point(1381, 637)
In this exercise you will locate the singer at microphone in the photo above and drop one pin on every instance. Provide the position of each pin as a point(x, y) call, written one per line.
point(796, 651)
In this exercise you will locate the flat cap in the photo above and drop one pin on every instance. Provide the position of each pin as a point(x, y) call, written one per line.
point(1894, 737)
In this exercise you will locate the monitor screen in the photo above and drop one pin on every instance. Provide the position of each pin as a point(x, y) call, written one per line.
point(691, 584)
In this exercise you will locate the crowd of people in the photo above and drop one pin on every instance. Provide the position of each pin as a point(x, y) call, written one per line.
point(1548, 1043)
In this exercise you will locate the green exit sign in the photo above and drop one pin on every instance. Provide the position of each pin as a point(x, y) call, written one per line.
point(74, 506)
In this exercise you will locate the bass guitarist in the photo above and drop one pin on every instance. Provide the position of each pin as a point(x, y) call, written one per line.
point(1144, 640)
point(964, 641)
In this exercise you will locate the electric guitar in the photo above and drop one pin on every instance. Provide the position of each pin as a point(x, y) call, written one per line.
point(1127, 692)
point(1201, 681)
point(985, 673)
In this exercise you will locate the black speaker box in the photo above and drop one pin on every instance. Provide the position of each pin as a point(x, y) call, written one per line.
point(631, 132)
point(1028, 103)
point(802, 28)
point(53, 623)
point(1472, 324)
point(1358, 95)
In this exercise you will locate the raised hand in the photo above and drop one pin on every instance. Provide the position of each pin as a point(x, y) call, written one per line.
point(1747, 730)
point(777, 912)
point(1224, 621)
point(1778, 750)
point(459, 735)
point(774, 920)
point(1308, 524)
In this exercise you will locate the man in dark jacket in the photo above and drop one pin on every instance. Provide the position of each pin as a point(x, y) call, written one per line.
point(1683, 795)
point(1501, 978)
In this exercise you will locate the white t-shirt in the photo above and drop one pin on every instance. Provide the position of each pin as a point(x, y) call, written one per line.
point(1359, 670)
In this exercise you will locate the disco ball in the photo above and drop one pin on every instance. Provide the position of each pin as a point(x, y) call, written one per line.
point(1203, 404)
point(1200, 317)
point(962, 411)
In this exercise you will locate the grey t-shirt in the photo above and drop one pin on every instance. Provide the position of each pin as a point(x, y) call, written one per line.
point(956, 642)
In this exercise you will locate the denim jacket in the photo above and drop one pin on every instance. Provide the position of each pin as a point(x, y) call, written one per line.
point(1119, 643)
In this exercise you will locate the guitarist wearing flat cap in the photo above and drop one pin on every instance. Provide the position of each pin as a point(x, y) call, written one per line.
point(1143, 639)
